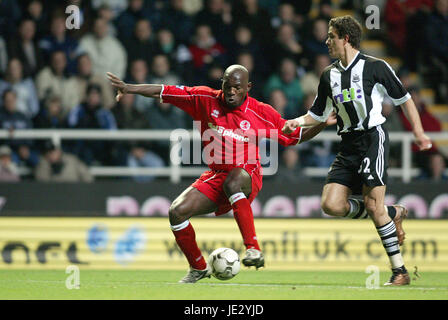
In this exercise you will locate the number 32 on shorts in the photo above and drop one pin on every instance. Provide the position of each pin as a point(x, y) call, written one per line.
point(366, 164)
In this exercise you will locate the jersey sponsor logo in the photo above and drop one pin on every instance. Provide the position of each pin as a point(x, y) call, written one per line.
point(348, 95)
point(227, 132)
point(215, 113)
point(245, 125)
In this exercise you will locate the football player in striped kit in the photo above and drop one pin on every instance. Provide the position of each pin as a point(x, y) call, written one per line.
point(354, 87)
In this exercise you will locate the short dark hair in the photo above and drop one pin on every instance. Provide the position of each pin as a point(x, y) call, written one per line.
point(347, 26)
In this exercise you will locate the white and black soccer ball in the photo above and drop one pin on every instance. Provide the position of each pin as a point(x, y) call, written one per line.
point(225, 263)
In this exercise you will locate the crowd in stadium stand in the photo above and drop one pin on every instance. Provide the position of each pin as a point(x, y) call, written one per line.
point(54, 77)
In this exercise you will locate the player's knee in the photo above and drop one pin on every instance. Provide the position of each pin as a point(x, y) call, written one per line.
point(333, 207)
point(178, 213)
point(232, 186)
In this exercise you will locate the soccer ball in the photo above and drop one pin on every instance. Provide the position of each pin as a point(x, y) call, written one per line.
point(225, 263)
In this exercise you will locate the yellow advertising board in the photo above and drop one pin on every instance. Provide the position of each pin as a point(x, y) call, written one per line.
point(148, 243)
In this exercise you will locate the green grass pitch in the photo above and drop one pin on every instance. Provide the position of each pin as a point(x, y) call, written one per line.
point(247, 285)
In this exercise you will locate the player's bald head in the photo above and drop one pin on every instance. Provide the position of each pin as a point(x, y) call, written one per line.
point(235, 85)
point(236, 71)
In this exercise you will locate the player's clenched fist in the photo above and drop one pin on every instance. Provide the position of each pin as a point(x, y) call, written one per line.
point(423, 142)
point(290, 126)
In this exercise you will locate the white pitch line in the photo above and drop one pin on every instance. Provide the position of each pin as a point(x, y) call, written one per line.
point(278, 285)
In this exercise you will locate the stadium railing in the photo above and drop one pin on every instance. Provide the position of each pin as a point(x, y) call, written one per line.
point(175, 171)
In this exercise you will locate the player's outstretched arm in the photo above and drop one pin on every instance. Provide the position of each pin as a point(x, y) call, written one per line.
point(305, 121)
point(310, 133)
point(421, 139)
point(147, 90)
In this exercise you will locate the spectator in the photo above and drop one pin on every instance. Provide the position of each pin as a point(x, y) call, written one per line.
point(139, 75)
point(214, 77)
point(126, 21)
point(27, 100)
point(205, 50)
point(36, 12)
point(139, 157)
point(140, 45)
point(116, 6)
point(51, 115)
point(92, 115)
point(53, 80)
point(393, 124)
point(415, 34)
point(177, 21)
point(437, 166)
point(26, 49)
point(3, 55)
point(10, 15)
point(288, 82)
point(106, 52)
point(105, 12)
point(25, 157)
point(285, 14)
point(11, 119)
point(217, 15)
point(315, 45)
point(161, 71)
point(128, 117)
point(316, 153)
point(436, 33)
point(86, 76)
point(8, 170)
point(278, 100)
point(290, 169)
point(310, 81)
point(179, 54)
point(287, 44)
point(296, 14)
point(164, 116)
point(258, 19)
point(396, 13)
point(325, 10)
point(244, 42)
point(429, 124)
point(246, 59)
point(58, 166)
point(301, 8)
point(58, 40)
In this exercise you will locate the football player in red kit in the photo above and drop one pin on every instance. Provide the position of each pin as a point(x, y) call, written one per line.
point(230, 124)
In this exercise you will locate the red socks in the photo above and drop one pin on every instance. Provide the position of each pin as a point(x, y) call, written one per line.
point(186, 240)
point(245, 219)
point(186, 237)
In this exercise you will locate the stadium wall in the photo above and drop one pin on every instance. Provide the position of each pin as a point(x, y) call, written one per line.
point(127, 199)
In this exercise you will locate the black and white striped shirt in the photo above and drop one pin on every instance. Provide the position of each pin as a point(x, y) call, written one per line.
point(356, 92)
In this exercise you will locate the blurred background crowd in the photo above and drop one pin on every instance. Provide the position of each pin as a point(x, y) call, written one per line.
point(53, 77)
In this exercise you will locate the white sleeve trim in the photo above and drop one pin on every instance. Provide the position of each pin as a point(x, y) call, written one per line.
point(402, 100)
point(161, 92)
point(316, 117)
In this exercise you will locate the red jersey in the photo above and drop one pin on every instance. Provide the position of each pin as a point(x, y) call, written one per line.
point(230, 136)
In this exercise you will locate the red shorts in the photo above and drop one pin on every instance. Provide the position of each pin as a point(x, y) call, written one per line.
point(210, 184)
